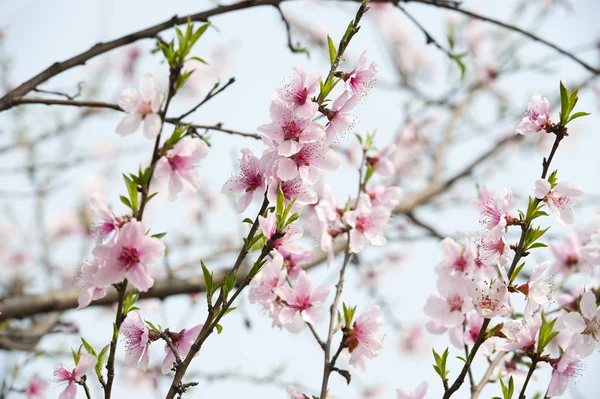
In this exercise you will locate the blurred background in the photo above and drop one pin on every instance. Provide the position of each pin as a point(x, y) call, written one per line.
point(52, 159)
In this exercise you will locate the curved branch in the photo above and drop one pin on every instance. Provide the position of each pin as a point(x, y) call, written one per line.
point(456, 7)
point(6, 102)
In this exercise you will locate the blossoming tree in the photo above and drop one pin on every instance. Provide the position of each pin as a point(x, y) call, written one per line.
point(505, 293)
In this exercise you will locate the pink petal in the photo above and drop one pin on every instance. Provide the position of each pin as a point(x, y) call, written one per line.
point(128, 124)
point(139, 277)
point(152, 125)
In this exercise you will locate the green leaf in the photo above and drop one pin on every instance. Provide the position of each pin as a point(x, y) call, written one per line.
point(208, 281)
point(463, 68)
point(248, 220)
point(76, 355)
point(101, 358)
point(348, 30)
point(516, 272)
point(332, 50)
point(182, 78)
point(461, 358)
point(578, 115)
point(195, 58)
point(492, 331)
point(229, 311)
point(537, 245)
point(219, 328)
point(564, 103)
point(159, 235)
point(280, 202)
point(152, 327)
point(133, 192)
point(88, 347)
point(125, 200)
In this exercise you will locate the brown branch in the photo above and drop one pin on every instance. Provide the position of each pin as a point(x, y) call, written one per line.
point(329, 365)
point(428, 38)
point(448, 6)
point(486, 377)
point(212, 93)
point(6, 101)
point(101, 104)
point(288, 29)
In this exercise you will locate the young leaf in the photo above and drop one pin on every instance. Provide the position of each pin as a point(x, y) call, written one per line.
point(100, 362)
point(88, 347)
point(332, 50)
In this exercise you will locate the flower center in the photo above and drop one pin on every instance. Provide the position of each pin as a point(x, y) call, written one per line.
point(362, 224)
point(291, 131)
point(129, 256)
point(455, 302)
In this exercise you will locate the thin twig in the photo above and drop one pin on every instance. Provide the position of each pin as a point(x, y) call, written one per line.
point(288, 28)
point(428, 38)
point(166, 337)
point(486, 377)
point(212, 93)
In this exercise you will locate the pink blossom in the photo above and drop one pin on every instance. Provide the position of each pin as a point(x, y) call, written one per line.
point(104, 222)
point(586, 322)
point(490, 298)
point(137, 341)
point(267, 281)
point(467, 333)
point(302, 303)
point(360, 80)
point(291, 233)
point(288, 131)
point(250, 180)
point(560, 199)
point(295, 393)
point(327, 227)
point(293, 262)
point(450, 305)
point(296, 188)
point(308, 163)
point(538, 289)
point(182, 342)
point(536, 117)
point(368, 224)
point(339, 116)
point(413, 340)
point(458, 259)
point(130, 257)
point(381, 163)
point(386, 196)
point(591, 251)
point(297, 94)
point(35, 387)
point(521, 334)
point(566, 368)
point(365, 341)
point(494, 250)
point(178, 166)
point(62, 374)
point(143, 105)
point(91, 289)
point(567, 256)
point(418, 393)
point(494, 215)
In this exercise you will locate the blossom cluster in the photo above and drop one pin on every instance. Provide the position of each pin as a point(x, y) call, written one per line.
point(476, 277)
point(299, 150)
point(124, 249)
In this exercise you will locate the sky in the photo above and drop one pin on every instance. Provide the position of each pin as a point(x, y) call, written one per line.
point(39, 33)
